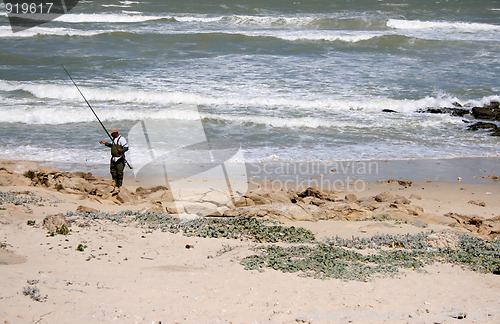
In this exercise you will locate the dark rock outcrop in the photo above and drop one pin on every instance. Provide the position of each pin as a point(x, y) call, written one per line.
point(481, 125)
point(458, 112)
point(491, 111)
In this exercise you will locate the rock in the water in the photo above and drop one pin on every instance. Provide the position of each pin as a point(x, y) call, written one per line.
point(492, 177)
point(389, 111)
point(482, 125)
point(458, 112)
point(491, 111)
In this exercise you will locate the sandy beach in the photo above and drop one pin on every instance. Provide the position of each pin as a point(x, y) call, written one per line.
point(106, 269)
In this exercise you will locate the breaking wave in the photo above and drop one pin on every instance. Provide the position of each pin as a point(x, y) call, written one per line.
point(459, 26)
point(6, 31)
point(232, 108)
point(99, 18)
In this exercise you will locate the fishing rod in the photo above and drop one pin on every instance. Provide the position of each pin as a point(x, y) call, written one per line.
point(88, 104)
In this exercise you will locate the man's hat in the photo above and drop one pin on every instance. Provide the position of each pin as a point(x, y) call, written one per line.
point(113, 130)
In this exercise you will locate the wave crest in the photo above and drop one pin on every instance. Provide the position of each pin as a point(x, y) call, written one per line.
point(461, 26)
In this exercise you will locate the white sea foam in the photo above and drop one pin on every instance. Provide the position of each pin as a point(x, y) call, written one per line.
point(129, 12)
point(105, 17)
point(64, 115)
point(196, 19)
point(311, 35)
point(6, 31)
point(115, 5)
point(270, 20)
point(358, 152)
point(68, 94)
point(316, 35)
point(460, 26)
point(247, 20)
point(55, 155)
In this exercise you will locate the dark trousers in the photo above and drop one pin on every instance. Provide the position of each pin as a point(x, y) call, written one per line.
point(116, 169)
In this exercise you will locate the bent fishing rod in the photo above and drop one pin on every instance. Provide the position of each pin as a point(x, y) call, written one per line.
point(88, 104)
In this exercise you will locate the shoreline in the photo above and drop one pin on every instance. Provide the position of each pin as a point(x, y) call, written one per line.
point(469, 170)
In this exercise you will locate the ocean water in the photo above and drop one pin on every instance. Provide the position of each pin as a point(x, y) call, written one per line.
point(289, 81)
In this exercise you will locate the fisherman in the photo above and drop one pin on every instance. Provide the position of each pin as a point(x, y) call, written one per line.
point(118, 146)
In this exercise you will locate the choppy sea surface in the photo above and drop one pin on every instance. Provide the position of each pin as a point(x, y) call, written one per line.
point(287, 80)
